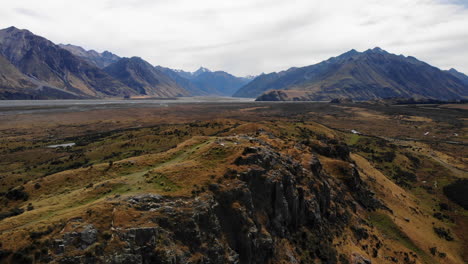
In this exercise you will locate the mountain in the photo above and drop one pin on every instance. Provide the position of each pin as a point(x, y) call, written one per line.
point(144, 79)
point(100, 60)
point(218, 82)
point(459, 75)
point(59, 69)
point(177, 76)
point(367, 75)
point(206, 82)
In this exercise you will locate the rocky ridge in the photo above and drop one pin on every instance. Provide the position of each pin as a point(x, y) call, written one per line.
point(271, 209)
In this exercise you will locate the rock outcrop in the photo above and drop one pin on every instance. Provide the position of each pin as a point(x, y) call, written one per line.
point(271, 209)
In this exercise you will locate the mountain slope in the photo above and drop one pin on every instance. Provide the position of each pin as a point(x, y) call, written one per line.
point(144, 79)
point(461, 76)
point(206, 82)
point(13, 84)
point(361, 76)
point(41, 59)
point(178, 77)
point(100, 60)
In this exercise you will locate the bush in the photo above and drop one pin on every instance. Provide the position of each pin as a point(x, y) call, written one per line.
point(12, 212)
point(17, 194)
point(443, 233)
point(458, 192)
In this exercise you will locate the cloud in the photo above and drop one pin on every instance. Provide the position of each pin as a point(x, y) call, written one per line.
point(250, 36)
point(29, 12)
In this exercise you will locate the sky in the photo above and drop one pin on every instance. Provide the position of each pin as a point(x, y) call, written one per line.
point(248, 37)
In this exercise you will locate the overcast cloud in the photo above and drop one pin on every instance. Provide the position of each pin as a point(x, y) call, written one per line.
point(250, 36)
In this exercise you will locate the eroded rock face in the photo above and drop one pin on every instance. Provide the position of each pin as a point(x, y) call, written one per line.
point(80, 240)
point(272, 210)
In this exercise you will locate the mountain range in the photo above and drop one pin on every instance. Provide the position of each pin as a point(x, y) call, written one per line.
point(367, 75)
point(49, 66)
point(206, 82)
point(32, 67)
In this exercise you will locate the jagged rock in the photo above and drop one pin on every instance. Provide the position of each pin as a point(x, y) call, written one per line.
point(361, 192)
point(332, 148)
point(88, 235)
point(145, 202)
point(82, 239)
point(59, 247)
point(359, 259)
point(124, 259)
point(145, 236)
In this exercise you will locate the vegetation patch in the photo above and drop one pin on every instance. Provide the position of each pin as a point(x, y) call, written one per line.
point(161, 182)
point(390, 230)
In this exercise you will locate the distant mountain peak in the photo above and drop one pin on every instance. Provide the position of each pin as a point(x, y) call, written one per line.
point(459, 75)
point(206, 82)
point(200, 71)
point(349, 54)
point(107, 53)
point(15, 30)
point(453, 70)
point(353, 51)
point(376, 50)
point(135, 58)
